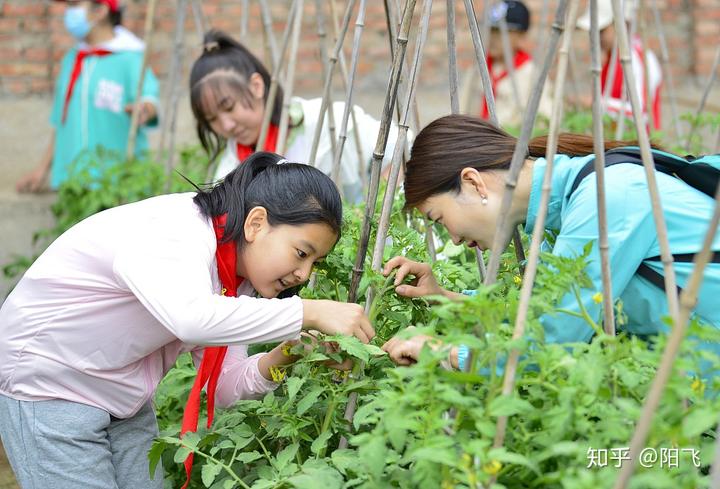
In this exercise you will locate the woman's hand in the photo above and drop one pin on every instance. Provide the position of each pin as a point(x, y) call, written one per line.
point(332, 317)
point(422, 285)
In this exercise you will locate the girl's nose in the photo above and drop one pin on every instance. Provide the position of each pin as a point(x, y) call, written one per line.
point(303, 273)
point(227, 124)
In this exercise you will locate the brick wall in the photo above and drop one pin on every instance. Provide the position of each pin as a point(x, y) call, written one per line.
point(33, 39)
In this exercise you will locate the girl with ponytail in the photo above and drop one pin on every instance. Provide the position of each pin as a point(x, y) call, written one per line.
point(456, 177)
point(102, 315)
point(228, 91)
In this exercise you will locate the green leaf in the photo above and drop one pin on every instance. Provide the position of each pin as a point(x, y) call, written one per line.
point(344, 459)
point(181, 454)
point(209, 471)
point(309, 400)
point(699, 421)
point(247, 457)
point(285, 455)
point(293, 385)
point(320, 442)
point(316, 474)
point(155, 455)
point(508, 406)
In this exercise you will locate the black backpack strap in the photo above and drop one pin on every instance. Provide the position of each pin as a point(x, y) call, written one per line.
point(655, 278)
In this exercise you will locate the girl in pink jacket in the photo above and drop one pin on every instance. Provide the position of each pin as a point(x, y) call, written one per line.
point(102, 315)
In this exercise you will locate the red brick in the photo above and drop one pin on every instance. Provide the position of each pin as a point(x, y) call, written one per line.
point(23, 9)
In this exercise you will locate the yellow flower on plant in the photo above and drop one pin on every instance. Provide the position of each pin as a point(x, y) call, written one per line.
point(277, 373)
point(492, 467)
point(517, 279)
point(597, 297)
point(286, 349)
point(697, 386)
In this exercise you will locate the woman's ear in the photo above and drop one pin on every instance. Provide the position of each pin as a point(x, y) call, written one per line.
point(255, 223)
point(257, 86)
point(474, 182)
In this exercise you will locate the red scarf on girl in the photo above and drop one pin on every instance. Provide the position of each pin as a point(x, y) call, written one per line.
point(213, 356)
point(244, 151)
point(521, 57)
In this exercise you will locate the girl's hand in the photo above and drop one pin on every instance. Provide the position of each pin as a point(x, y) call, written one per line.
point(332, 317)
point(407, 351)
point(424, 283)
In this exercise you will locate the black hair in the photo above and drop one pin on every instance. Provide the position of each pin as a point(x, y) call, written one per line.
point(291, 193)
point(113, 18)
point(221, 53)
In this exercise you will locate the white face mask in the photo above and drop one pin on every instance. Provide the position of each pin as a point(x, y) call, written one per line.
point(76, 22)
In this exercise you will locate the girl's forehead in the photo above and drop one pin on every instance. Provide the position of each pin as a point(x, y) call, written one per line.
point(218, 87)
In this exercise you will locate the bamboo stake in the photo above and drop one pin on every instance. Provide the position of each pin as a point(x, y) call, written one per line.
point(665, 61)
point(170, 118)
point(612, 73)
point(599, 145)
point(199, 18)
point(452, 58)
point(137, 103)
point(290, 79)
point(272, 92)
point(539, 228)
point(502, 235)
point(701, 108)
point(359, 25)
point(642, 29)
point(688, 300)
point(270, 42)
point(717, 141)
point(327, 87)
point(244, 19)
point(379, 152)
point(481, 60)
point(509, 60)
point(389, 197)
point(322, 36)
point(430, 240)
point(648, 163)
point(362, 168)
point(542, 27)
point(620, 128)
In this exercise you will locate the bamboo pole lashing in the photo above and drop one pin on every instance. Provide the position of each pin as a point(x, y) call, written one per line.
point(599, 147)
point(503, 233)
point(289, 84)
point(137, 101)
point(327, 85)
point(379, 151)
point(355, 56)
point(539, 227)
point(274, 77)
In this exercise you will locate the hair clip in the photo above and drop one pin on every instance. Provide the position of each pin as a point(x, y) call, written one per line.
point(280, 162)
point(210, 46)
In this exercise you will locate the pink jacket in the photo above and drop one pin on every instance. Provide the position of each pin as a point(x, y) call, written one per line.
point(105, 311)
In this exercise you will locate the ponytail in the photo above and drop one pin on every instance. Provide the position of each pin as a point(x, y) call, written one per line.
point(447, 145)
point(225, 63)
point(291, 193)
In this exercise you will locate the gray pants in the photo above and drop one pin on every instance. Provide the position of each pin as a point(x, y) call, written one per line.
point(66, 445)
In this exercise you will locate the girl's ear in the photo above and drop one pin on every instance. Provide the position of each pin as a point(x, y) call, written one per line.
point(474, 182)
point(257, 86)
point(255, 223)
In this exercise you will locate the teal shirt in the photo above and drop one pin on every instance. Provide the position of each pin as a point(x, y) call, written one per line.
point(632, 238)
point(96, 114)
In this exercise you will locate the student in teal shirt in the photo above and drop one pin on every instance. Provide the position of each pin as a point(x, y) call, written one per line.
point(456, 176)
point(94, 94)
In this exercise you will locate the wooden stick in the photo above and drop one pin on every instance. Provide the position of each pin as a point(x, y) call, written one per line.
point(620, 128)
point(272, 92)
point(137, 102)
point(599, 145)
point(452, 58)
point(688, 300)
point(539, 228)
point(359, 25)
point(327, 86)
point(379, 152)
point(542, 28)
point(322, 36)
point(362, 166)
point(244, 16)
point(481, 60)
point(290, 79)
point(270, 42)
point(199, 18)
point(503, 233)
point(703, 100)
point(170, 117)
point(665, 61)
point(509, 60)
point(642, 29)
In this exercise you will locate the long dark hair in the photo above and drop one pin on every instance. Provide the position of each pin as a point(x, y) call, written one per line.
point(453, 142)
point(291, 193)
point(225, 63)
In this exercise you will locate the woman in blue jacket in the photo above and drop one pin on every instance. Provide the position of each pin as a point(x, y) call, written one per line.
point(456, 176)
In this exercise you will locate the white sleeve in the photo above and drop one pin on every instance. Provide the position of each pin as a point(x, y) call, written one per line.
point(228, 161)
point(169, 271)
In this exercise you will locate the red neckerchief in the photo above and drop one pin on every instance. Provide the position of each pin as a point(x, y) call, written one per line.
point(75, 74)
point(244, 151)
point(521, 57)
point(213, 356)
